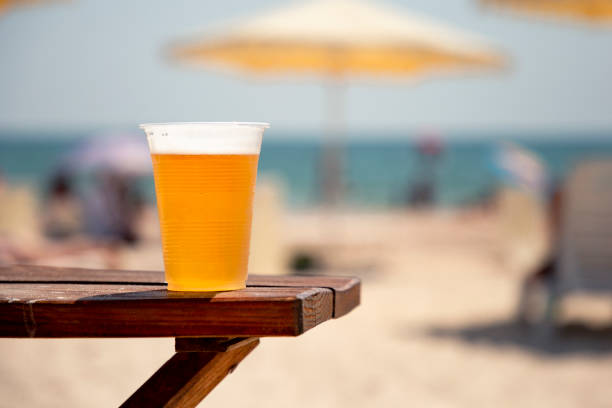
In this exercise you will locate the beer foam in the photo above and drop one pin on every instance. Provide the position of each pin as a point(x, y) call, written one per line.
point(204, 137)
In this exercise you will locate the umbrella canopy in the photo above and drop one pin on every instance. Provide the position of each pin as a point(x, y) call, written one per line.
point(121, 153)
point(5, 5)
point(586, 10)
point(337, 37)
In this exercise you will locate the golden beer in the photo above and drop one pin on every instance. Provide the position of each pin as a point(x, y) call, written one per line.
point(204, 180)
point(204, 203)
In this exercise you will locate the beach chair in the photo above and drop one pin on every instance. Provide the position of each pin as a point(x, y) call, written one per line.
point(583, 261)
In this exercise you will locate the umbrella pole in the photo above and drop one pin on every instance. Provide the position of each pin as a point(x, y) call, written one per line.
point(331, 162)
point(332, 182)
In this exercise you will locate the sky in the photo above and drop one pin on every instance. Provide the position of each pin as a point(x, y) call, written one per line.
point(85, 64)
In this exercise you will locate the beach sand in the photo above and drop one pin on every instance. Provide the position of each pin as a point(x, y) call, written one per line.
point(433, 330)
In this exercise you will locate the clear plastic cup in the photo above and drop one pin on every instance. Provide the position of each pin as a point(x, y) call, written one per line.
point(205, 176)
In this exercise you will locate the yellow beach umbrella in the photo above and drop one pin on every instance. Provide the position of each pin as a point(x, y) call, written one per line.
point(6, 5)
point(337, 39)
point(595, 11)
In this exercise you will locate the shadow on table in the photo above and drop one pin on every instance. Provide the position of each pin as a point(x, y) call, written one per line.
point(571, 338)
point(150, 294)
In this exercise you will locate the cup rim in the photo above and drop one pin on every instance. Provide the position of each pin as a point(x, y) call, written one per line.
point(263, 125)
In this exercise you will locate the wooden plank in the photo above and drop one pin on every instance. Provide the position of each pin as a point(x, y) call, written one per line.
point(36, 273)
point(92, 310)
point(346, 290)
point(69, 293)
point(185, 379)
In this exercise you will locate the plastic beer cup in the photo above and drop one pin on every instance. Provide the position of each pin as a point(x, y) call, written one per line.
point(204, 181)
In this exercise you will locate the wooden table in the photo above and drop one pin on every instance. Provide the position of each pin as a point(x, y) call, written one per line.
point(213, 331)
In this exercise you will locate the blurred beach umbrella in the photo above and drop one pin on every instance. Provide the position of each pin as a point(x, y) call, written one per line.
point(6, 5)
point(337, 39)
point(594, 11)
point(121, 153)
point(520, 168)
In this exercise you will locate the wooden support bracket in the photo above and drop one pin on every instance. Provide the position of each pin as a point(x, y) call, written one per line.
point(197, 367)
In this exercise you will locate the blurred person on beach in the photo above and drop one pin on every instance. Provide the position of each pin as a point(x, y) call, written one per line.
point(22, 234)
point(422, 192)
point(546, 271)
point(112, 210)
point(62, 210)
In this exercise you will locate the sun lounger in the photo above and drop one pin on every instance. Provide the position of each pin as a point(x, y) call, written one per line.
point(583, 262)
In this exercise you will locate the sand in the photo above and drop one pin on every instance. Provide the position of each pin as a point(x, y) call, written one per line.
point(434, 330)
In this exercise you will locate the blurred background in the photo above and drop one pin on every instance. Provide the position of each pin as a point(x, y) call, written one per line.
point(456, 155)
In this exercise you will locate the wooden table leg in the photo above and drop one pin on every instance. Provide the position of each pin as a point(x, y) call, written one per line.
point(197, 367)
